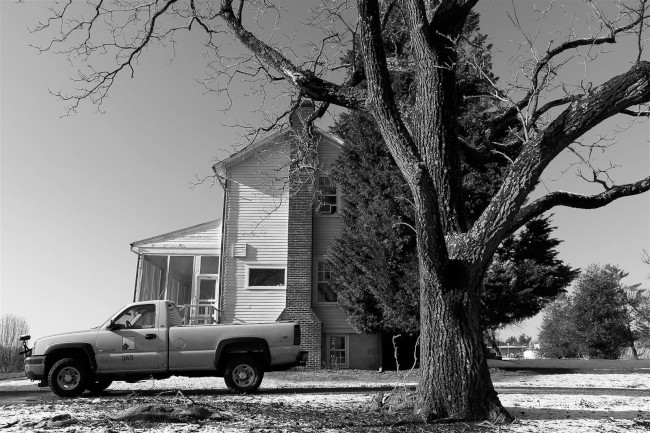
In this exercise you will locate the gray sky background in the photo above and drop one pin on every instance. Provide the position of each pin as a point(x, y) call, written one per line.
point(76, 191)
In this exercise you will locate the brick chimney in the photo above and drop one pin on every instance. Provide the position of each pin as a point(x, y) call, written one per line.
point(299, 259)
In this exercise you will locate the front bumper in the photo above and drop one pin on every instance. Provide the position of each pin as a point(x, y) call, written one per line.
point(35, 367)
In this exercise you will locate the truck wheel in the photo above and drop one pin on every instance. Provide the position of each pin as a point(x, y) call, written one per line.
point(68, 377)
point(98, 385)
point(243, 374)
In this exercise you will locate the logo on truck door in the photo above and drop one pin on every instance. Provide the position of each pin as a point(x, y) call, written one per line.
point(128, 343)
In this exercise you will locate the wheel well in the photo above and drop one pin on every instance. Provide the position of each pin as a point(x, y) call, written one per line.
point(227, 350)
point(56, 355)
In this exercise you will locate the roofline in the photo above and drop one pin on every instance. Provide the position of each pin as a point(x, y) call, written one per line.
point(173, 234)
point(246, 151)
point(219, 167)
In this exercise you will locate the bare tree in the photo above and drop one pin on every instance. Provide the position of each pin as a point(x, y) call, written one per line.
point(545, 109)
point(11, 327)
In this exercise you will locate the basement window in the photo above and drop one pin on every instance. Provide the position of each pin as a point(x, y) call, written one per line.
point(337, 351)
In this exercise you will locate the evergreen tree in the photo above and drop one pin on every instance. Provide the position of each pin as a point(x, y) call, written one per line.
point(557, 336)
point(525, 276)
point(375, 257)
point(377, 277)
point(594, 322)
point(601, 319)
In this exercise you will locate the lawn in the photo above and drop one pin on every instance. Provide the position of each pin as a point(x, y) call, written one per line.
point(559, 366)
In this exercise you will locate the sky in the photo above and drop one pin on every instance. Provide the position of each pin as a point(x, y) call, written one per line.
point(76, 191)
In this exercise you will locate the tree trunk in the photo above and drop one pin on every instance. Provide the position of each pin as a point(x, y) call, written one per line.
point(635, 354)
point(455, 380)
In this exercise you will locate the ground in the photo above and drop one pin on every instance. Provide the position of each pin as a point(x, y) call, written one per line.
point(548, 400)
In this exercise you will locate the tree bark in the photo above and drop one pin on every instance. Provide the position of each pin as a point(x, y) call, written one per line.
point(455, 381)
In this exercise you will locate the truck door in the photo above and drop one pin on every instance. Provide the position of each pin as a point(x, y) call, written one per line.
point(134, 342)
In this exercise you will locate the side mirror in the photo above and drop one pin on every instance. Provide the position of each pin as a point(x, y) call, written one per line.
point(111, 325)
point(26, 350)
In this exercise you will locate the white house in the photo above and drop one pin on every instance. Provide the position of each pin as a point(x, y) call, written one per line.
point(277, 225)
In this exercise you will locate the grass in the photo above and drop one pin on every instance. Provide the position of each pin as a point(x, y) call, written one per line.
point(497, 368)
point(559, 366)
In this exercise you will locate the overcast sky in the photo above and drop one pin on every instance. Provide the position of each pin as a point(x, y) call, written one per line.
point(76, 191)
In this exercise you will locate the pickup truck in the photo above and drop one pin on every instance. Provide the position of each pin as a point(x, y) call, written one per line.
point(148, 339)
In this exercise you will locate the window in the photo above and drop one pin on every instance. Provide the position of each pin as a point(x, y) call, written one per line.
point(137, 317)
point(323, 286)
point(154, 272)
point(179, 279)
point(166, 277)
point(327, 198)
point(266, 277)
point(338, 351)
point(209, 265)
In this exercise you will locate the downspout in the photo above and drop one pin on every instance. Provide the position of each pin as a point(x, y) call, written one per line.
point(137, 272)
point(224, 183)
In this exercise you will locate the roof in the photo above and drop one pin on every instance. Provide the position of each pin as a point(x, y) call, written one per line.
point(264, 143)
point(206, 235)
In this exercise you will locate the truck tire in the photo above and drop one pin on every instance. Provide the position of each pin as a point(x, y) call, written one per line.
point(68, 377)
point(98, 385)
point(243, 374)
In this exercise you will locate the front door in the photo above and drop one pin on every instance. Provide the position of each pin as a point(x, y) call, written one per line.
point(135, 343)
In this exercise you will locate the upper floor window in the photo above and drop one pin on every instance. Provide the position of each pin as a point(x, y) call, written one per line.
point(323, 283)
point(327, 196)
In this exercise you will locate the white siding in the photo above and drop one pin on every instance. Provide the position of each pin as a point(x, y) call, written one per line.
point(257, 216)
point(326, 228)
point(334, 319)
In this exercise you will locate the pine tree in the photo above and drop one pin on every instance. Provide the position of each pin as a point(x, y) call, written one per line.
point(557, 336)
point(601, 319)
point(375, 256)
point(594, 322)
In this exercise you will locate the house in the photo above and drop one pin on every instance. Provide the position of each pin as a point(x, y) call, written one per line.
point(513, 351)
point(278, 222)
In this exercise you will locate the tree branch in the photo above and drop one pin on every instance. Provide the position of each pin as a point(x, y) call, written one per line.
point(381, 103)
point(618, 93)
point(305, 81)
point(561, 198)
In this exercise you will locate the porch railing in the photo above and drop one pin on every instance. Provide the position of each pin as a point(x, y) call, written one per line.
point(199, 314)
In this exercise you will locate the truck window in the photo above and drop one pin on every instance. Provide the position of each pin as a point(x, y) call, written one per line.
point(137, 317)
point(173, 316)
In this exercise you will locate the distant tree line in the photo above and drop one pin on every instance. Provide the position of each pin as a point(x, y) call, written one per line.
point(11, 328)
point(522, 340)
